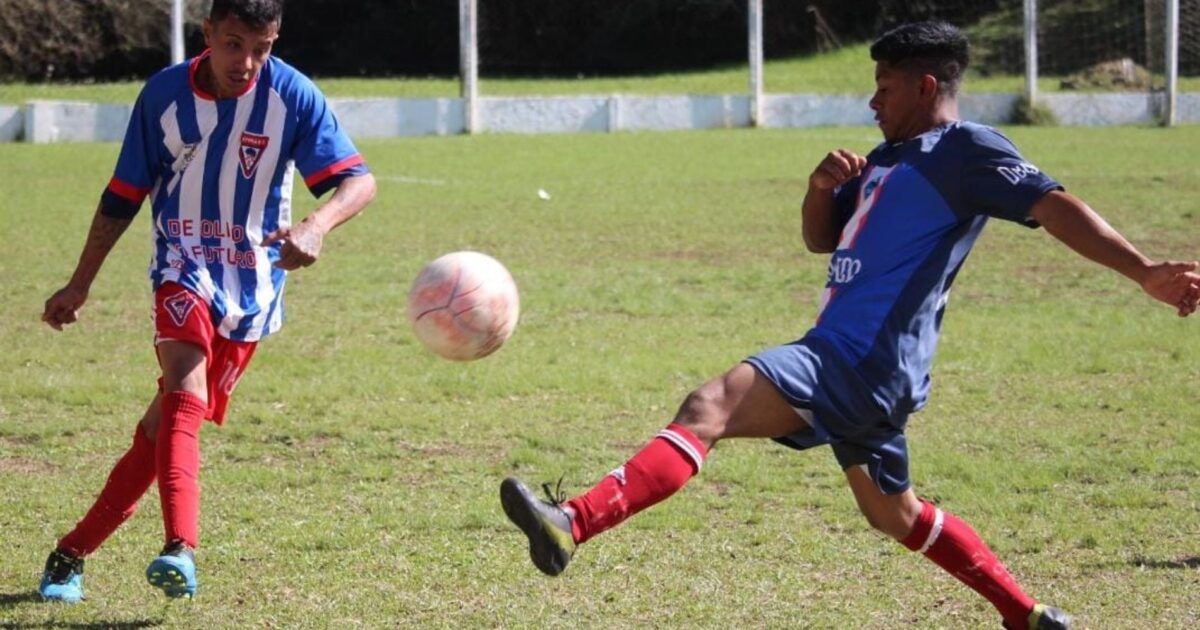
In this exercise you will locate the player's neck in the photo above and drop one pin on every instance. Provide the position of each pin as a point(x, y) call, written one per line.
point(207, 81)
point(945, 114)
point(204, 78)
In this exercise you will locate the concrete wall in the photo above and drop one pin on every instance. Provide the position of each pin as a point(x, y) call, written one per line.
point(69, 121)
point(62, 121)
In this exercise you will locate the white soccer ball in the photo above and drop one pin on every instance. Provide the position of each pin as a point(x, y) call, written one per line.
point(464, 305)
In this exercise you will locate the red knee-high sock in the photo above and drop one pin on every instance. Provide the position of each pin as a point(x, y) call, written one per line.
point(653, 474)
point(128, 481)
point(178, 452)
point(954, 546)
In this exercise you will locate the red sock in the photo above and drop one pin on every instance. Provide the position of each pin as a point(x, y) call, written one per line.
point(955, 547)
point(653, 474)
point(128, 481)
point(178, 451)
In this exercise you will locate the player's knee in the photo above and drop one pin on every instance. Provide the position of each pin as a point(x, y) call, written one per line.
point(149, 426)
point(702, 413)
point(889, 522)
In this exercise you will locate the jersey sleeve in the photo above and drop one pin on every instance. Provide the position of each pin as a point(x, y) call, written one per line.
point(323, 152)
point(998, 182)
point(135, 174)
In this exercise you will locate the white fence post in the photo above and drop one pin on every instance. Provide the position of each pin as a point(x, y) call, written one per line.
point(176, 31)
point(469, 61)
point(756, 58)
point(1031, 61)
point(1172, 59)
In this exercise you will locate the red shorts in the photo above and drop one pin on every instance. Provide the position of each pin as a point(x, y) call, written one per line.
point(180, 315)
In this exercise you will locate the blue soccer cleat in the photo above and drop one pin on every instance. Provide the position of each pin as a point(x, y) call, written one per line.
point(62, 581)
point(174, 571)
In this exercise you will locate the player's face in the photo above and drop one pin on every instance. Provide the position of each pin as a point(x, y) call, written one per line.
point(238, 52)
point(901, 105)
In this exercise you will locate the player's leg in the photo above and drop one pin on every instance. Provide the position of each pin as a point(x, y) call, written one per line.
point(198, 382)
point(132, 475)
point(740, 403)
point(183, 338)
point(184, 406)
point(952, 545)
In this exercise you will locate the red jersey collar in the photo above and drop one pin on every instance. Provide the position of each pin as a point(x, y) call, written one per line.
point(194, 67)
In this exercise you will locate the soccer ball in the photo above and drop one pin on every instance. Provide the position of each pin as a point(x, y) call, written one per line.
point(463, 306)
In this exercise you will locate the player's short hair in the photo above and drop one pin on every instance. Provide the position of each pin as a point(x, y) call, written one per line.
point(253, 13)
point(934, 48)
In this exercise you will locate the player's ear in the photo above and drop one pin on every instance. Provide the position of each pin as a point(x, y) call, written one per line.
point(206, 26)
point(929, 86)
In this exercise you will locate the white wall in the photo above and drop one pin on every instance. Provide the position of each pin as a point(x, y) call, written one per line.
point(62, 121)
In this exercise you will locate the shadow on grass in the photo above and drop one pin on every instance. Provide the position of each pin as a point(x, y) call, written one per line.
point(79, 625)
point(10, 600)
point(1192, 562)
point(1142, 562)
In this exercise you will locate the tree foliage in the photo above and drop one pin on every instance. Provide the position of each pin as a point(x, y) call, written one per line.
point(113, 39)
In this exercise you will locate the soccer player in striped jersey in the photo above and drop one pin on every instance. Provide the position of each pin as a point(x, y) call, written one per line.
point(899, 224)
point(213, 144)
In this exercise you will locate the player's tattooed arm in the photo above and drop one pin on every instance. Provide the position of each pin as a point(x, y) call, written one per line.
point(302, 242)
point(62, 307)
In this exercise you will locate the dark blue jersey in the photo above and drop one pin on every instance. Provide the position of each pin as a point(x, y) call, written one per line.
point(910, 219)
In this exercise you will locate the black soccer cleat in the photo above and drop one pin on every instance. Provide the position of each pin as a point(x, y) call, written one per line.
point(1044, 617)
point(62, 580)
point(545, 523)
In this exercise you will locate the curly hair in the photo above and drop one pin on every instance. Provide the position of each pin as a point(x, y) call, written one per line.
point(935, 48)
point(253, 13)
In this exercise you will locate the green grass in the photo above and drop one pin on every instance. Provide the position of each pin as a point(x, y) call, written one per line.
point(355, 482)
point(839, 72)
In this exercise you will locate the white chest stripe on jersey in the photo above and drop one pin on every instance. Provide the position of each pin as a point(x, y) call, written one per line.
point(227, 180)
point(190, 192)
point(868, 194)
point(267, 163)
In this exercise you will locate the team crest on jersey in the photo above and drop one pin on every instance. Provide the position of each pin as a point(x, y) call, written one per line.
point(874, 177)
point(252, 149)
point(870, 187)
point(179, 306)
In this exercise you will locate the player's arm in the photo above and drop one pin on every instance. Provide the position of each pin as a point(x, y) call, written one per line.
point(302, 242)
point(62, 307)
point(1071, 221)
point(821, 226)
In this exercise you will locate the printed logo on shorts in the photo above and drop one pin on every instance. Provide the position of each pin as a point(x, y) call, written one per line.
point(229, 378)
point(179, 306)
point(252, 149)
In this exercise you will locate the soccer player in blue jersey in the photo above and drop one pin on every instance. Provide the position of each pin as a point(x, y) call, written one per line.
point(213, 143)
point(899, 224)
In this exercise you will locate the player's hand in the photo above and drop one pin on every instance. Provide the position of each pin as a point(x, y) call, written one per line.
point(63, 307)
point(837, 167)
point(1176, 284)
point(301, 244)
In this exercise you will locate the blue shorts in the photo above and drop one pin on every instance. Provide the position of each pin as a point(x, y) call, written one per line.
point(819, 383)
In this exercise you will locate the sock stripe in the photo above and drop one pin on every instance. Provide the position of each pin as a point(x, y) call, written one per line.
point(684, 445)
point(934, 532)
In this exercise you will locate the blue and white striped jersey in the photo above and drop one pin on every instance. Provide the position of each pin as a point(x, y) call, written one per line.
point(219, 177)
point(910, 220)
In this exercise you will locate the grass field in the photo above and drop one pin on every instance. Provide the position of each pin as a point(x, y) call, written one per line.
point(355, 484)
point(840, 72)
